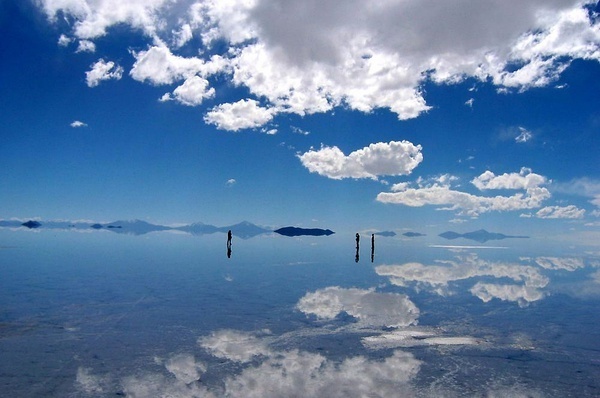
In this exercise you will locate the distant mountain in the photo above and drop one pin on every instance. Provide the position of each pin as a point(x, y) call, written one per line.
point(244, 230)
point(450, 235)
point(386, 233)
point(480, 236)
point(413, 234)
point(32, 224)
point(134, 227)
point(198, 229)
point(296, 231)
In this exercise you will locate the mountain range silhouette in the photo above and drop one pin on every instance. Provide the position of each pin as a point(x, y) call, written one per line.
point(480, 235)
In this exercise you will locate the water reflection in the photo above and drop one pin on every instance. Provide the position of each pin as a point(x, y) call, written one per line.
point(437, 278)
point(357, 255)
point(443, 327)
point(372, 247)
point(229, 236)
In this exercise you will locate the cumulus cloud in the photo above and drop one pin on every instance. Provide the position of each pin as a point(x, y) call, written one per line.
point(440, 193)
point(158, 66)
point(86, 46)
point(92, 19)
point(438, 277)
point(560, 212)
point(367, 306)
point(78, 123)
point(524, 179)
point(231, 182)
point(560, 263)
point(64, 40)
point(304, 374)
point(379, 159)
point(244, 114)
point(234, 345)
point(185, 368)
point(312, 56)
point(192, 92)
point(520, 294)
point(103, 70)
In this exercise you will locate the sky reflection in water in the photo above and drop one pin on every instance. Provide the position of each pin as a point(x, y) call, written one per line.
point(100, 314)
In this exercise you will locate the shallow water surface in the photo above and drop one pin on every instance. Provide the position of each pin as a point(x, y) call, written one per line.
point(165, 314)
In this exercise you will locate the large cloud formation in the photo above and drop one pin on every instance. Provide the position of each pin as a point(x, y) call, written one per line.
point(438, 192)
point(379, 159)
point(311, 56)
point(438, 277)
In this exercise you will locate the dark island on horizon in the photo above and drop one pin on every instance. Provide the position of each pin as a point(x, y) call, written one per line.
point(297, 231)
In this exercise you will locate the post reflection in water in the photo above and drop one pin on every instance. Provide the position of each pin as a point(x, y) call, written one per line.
point(357, 257)
point(229, 235)
point(372, 247)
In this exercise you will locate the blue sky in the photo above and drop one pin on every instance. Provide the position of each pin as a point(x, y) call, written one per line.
point(401, 115)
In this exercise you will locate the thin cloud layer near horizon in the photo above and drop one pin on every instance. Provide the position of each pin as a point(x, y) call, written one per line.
point(394, 114)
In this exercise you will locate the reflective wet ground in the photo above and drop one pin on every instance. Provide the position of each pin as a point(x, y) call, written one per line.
point(170, 314)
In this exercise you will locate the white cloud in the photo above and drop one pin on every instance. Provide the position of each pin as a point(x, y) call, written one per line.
point(367, 306)
point(192, 92)
point(303, 374)
point(413, 338)
point(525, 179)
point(88, 382)
point(93, 18)
point(438, 277)
point(470, 102)
point(103, 70)
point(86, 46)
point(158, 385)
point(586, 187)
point(244, 114)
point(441, 194)
point(235, 346)
point(231, 182)
point(77, 123)
point(312, 56)
point(64, 40)
point(524, 135)
point(379, 159)
point(522, 295)
point(560, 212)
point(158, 65)
point(183, 35)
point(185, 368)
point(560, 263)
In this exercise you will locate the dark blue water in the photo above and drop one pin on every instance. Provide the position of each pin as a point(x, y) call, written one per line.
point(165, 314)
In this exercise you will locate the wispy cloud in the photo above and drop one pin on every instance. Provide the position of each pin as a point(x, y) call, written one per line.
point(524, 135)
point(231, 182)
